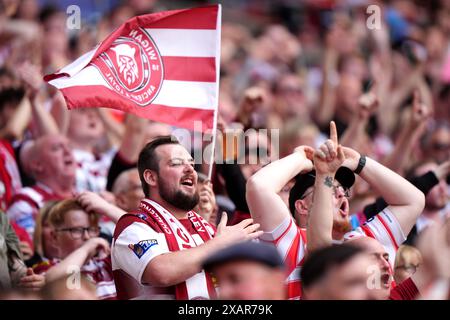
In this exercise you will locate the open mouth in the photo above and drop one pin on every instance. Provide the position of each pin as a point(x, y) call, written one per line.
point(189, 182)
point(68, 162)
point(343, 208)
point(385, 279)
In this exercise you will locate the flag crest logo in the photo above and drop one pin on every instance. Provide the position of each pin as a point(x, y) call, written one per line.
point(162, 66)
point(133, 67)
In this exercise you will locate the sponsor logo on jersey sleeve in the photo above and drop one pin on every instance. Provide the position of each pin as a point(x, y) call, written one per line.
point(142, 247)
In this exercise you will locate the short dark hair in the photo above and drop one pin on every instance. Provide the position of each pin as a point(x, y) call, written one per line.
point(321, 261)
point(148, 159)
point(11, 97)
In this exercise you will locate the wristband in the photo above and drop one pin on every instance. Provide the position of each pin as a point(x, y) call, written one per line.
point(361, 164)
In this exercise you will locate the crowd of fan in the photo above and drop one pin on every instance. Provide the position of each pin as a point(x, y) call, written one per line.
point(353, 193)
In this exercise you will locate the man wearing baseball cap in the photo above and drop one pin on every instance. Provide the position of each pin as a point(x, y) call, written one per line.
point(248, 271)
point(303, 187)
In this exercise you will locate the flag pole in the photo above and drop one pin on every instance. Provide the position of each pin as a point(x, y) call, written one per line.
point(213, 148)
point(216, 106)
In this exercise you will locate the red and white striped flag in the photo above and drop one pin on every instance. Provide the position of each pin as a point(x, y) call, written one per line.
point(162, 66)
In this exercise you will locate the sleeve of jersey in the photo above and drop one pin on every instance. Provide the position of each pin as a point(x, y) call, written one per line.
point(286, 237)
point(385, 228)
point(135, 247)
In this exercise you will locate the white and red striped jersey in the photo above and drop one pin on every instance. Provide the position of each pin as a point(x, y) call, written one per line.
point(291, 242)
point(92, 171)
point(98, 271)
point(385, 228)
point(134, 245)
point(26, 203)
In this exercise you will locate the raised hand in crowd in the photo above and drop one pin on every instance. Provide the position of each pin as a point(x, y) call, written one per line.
point(355, 135)
point(31, 76)
point(94, 203)
point(207, 203)
point(409, 135)
point(43, 122)
point(243, 231)
point(421, 111)
point(328, 158)
point(93, 247)
point(252, 112)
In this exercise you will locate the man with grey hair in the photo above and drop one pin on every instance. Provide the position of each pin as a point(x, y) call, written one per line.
point(52, 165)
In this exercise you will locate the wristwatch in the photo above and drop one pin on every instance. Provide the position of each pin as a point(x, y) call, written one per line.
point(361, 164)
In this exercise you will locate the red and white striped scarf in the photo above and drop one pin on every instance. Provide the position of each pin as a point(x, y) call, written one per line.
point(199, 286)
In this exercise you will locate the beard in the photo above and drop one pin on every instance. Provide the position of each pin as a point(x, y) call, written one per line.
point(342, 226)
point(436, 205)
point(178, 199)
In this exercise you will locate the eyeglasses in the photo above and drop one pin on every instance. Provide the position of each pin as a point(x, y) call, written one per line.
point(77, 233)
point(341, 189)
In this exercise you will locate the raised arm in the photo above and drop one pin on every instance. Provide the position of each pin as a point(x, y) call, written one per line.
point(114, 129)
point(409, 135)
point(132, 138)
point(405, 201)
point(77, 258)
point(325, 110)
point(43, 121)
point(354, 135)
point(266, 206)
point(94, 203)
point(389, 108)
point(18, 122)
point(434, 246)
point(327, 160)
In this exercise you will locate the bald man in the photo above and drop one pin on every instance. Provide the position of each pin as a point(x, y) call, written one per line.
point(128, 190)
point(381, 270)
point(51, 163)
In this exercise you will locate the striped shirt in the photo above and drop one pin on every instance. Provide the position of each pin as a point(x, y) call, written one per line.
point(291, 243)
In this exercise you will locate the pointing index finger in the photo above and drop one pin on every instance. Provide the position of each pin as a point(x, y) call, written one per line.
point(416, 97)
point(333, 133)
